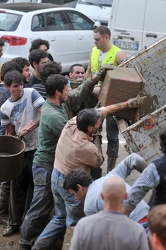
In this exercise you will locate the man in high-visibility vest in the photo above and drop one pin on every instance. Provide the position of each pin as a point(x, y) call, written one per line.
point(105, 52)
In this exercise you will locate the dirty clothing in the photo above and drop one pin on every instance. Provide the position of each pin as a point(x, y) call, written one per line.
point(108, 230)
point(20, 196)
point(89, 102)
point(77, 97)
point(153, 177)
point(76, 149)
point(67, 212)
point(19, 113)
point(40, 211)
point(53, 120)
point(111, 123)
point(4, 197)
point(93, 202)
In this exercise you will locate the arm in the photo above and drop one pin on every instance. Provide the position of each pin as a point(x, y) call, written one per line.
point(149, 179)
point(131, 103)
point(77, 96)
point(120, 57)
point(88, 72)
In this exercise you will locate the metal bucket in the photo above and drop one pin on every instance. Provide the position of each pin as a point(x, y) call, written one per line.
point(11, 157)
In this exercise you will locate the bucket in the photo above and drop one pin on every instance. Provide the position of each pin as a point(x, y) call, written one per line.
point(11, 157)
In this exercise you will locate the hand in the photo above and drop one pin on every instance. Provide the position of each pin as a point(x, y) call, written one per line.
point(99, 76)
point(136, 102)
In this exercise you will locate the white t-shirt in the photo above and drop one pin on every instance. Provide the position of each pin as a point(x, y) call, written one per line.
point(20, 112)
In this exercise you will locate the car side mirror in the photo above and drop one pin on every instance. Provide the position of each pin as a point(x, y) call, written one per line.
point(96, 24)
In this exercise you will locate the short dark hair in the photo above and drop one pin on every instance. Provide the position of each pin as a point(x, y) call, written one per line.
point(37, 43)
point(86, 118)
point(2, 42)
point(157, 222)
point(55, 82)
point(21, 61)
point(162, 136)
point(13, 76)
point(36, 55)
point(50, 68)
point(75, 65)
point(9, 66)
point(76, 177)
point(103, 30)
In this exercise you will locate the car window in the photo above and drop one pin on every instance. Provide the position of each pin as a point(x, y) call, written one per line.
point(38, 23)
point(79, 21)
point(56, 21)
point(9, 21)
point(97, 2)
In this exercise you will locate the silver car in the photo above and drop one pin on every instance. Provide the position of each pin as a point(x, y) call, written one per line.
point(69, 32)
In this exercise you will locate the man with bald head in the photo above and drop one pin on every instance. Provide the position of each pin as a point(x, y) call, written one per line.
point(110, 229)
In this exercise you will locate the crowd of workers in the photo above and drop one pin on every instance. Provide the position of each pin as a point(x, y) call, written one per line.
point(61, 179)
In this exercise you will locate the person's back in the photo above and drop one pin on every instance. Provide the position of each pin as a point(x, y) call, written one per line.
point(110, 229)
point(107, 231)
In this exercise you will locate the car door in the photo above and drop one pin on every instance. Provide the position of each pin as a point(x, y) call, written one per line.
point(155, 21)
point(83, 27)
point(62, 39)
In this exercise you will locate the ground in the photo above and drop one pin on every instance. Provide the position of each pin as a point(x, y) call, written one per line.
point(10, 243)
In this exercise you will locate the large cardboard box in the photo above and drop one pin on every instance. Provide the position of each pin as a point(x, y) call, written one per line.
point(119, 85)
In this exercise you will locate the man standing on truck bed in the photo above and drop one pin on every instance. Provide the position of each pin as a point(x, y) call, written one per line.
point(106, 53)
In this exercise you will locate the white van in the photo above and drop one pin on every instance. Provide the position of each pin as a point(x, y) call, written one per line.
point(96, 9)
point(135, 24)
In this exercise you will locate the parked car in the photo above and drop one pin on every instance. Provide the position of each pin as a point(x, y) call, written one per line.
point(69, 32)
point(96, 9)
point(136, 24)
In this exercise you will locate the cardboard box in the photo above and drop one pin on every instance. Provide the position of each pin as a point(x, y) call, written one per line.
point(119, 85)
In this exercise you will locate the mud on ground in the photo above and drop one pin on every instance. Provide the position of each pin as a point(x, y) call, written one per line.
point(7, 243)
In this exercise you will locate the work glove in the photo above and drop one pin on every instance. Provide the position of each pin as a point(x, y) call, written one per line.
point(99, 76)
point(136, 102)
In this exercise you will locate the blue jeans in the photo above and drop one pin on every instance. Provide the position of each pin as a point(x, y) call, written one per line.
point(112, 136)
point(39, 213)
point(67, 213)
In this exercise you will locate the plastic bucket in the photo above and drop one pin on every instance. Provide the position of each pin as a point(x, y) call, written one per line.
point(11, 157)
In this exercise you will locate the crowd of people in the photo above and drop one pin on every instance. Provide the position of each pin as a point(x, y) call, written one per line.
point(61, 183)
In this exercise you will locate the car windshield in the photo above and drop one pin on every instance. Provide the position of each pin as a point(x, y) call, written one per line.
point(97, 2)
point(9, 21)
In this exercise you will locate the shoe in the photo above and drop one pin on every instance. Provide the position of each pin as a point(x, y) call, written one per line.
point(10, 230)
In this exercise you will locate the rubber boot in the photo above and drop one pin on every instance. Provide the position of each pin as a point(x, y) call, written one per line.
point(111, 161)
